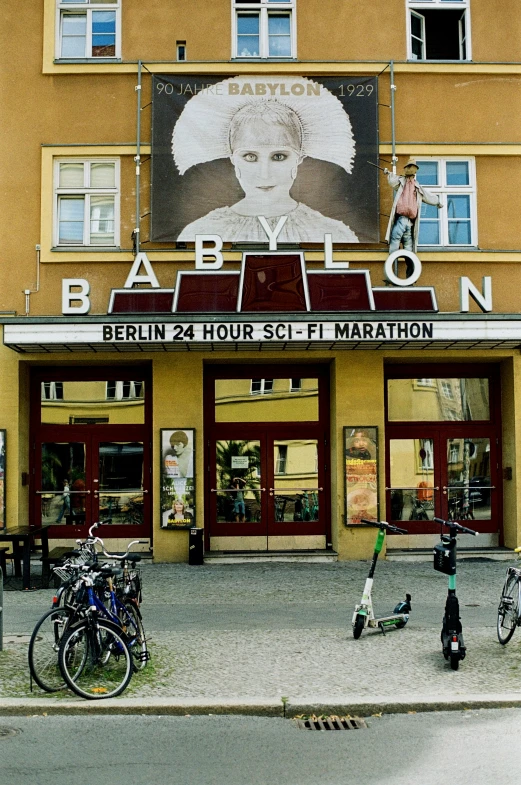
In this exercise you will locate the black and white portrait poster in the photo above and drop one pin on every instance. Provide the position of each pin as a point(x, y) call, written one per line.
point(296, 151)
point(177, 478)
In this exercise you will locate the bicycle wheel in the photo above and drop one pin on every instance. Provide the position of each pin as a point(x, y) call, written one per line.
point(95, 660)
point(44, 646)
point(132, 624)
point(508, 610)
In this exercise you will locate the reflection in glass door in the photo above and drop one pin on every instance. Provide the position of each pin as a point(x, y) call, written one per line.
point(412, 485)
point(294, 494)
point(118, 489)
point(469, 488)
point(62, 492)
point(238, 495)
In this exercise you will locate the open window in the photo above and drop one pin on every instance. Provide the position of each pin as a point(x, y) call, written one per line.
point(439, 30)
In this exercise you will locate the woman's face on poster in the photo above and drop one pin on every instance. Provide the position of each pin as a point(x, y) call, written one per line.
point(265, 171)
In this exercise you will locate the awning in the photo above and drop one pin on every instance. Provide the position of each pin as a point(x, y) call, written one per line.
point(241, 332)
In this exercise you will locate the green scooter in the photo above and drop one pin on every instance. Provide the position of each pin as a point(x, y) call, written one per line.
point(364, 615)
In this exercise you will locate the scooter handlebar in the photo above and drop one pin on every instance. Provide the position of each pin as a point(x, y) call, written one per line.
point(457, 526)
point(384, 525)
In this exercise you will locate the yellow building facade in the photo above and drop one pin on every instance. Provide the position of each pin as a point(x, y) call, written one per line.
point(199, 305)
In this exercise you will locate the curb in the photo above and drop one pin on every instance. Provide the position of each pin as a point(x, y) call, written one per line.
point(361, 706)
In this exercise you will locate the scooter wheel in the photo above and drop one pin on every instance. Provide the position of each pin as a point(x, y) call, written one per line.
point(358, 626)
point(454, 661)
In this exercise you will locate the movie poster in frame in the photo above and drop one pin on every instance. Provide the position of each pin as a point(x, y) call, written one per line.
point(177, 492)
point(361, 473)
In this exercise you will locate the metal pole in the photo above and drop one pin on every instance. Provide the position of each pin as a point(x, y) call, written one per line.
point(137, 157)
point(1, 609)
point(393, 132)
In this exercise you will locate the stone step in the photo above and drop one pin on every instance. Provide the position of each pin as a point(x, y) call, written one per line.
point(249, 557)
point(426, 554)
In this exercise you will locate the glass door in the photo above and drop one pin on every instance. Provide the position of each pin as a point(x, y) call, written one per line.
point(118, 489)
point(62, 497)
point(450, 473)
point(238, 493)
point(296, 487)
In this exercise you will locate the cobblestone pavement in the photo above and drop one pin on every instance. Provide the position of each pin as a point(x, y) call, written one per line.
point(267, 631)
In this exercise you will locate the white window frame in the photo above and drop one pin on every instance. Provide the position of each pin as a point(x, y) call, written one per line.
point(87, 192)
point(87, 7)
point(445, 190)
point(264, 389)
point(119, 391)
point(293, 388)
point(415, 7)
point(265, 8)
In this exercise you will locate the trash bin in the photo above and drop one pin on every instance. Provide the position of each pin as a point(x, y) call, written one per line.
point(195, 546)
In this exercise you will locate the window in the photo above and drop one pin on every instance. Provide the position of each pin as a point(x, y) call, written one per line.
point(263, 28)
point(88, 29)
point(455, 222)
point(86, 203)
point(438, 30)
point(124, 391)
point(295, 385)
point(181, 50)
point(261, 386)
point(52, 391)
point(282, 459)
point(446, 388)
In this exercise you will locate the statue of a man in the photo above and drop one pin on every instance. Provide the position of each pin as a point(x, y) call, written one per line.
point(404, 223)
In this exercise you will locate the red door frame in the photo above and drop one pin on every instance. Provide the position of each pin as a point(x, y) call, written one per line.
point(268, 431)
point(440, 431)
point(91, 435)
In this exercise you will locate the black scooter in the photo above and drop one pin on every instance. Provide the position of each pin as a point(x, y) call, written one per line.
point(445, 553)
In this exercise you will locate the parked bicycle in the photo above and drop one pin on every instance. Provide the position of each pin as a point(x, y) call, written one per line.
point(89, 592)
point(509, 610)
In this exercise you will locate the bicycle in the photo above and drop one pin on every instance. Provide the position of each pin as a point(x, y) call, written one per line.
point(509, 610)
point(69, 606)
point(445, 553)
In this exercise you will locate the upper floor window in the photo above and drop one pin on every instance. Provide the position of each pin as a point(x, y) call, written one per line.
point(261, 386)
point(125, 391)
point(438, 30)
point(86, 202)
point(88, 29)
point(264, 28)
point(52, 391)
point(455, 223)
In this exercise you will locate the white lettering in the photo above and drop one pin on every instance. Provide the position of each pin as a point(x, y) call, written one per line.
point(134, 277)
point(272, 235)
point(483, 299)
point(391, 275)
point(68, 296)
point(329, 264)
point(214, 252)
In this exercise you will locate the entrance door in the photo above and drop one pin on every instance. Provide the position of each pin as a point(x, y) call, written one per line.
point(448, 473)
point(85, 477)
point(91, 451)
point(267, 475)
point(269, 487)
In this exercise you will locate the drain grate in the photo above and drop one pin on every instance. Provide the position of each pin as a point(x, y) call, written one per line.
point(329, 723)
point(5, 732)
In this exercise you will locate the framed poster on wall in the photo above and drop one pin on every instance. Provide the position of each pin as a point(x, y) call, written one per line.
point(2, 478)
point(361, 473)
point(177, 493)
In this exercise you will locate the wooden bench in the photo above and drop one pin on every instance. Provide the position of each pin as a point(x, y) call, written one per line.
point(55, 556)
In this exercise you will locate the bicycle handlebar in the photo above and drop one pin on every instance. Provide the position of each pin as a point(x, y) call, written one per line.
point(456, 525)
point(384, 525)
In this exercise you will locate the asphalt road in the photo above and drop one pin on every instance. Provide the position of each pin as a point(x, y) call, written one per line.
point(465, 748)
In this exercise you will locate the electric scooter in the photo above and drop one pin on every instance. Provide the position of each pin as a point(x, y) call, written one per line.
point(364, 615)
point(445, 553)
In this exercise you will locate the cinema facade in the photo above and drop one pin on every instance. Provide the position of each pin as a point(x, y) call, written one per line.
point(252, 361)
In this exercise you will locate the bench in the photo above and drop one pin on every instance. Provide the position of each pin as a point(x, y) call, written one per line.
point(55, 556)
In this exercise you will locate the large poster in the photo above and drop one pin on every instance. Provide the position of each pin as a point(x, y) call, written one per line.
point(361, 467)
point(295, 150)
point(177, 478)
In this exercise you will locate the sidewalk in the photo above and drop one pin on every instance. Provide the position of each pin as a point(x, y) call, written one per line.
point(241, 638)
